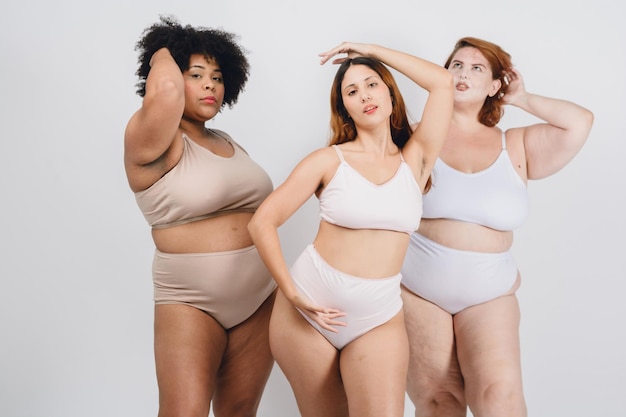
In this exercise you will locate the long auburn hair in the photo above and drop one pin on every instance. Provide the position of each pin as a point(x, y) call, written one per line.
point(500, 62)
point(342, 126)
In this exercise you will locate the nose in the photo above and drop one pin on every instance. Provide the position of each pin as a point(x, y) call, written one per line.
point(365, 97)
point(209, 85)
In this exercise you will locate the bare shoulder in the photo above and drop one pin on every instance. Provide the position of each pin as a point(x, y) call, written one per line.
point(515, 133)
point(516, 149)
point(322, 156)
point(515, 138)
point(319, 165)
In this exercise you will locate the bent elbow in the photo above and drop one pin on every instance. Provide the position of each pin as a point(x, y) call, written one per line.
point(253, 226)
point(585, 122)
point(589, 118)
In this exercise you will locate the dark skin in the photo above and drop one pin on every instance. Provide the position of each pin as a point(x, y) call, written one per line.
point(199, 364)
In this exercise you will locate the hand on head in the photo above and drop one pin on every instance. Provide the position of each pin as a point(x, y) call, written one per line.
point(352, 50)
point(515, 88)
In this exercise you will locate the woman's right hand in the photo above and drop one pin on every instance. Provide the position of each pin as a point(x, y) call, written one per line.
point(325, 317)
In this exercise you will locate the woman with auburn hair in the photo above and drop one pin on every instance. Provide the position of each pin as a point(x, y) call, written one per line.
point(337, 329)
point(459, 277)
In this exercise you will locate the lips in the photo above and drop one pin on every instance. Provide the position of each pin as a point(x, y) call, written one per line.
point(462, 86)
point(209, 100)
point(369, 109)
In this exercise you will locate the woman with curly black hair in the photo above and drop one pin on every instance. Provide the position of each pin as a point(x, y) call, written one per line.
point(198, 189)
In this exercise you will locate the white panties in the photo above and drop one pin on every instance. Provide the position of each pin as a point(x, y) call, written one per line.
point(367, 302)
point(456, 279)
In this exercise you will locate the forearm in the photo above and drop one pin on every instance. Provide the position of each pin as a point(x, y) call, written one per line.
point(267, 242)
point(426, 74)
point(556, 112)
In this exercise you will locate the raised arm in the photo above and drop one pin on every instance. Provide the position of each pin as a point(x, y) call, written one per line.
point(552, 145)
point(277, 208)
point(152, 128)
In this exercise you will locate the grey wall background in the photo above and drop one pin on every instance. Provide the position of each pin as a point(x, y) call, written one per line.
point(75, 288)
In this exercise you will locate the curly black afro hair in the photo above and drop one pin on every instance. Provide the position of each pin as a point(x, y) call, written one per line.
point(186, 41)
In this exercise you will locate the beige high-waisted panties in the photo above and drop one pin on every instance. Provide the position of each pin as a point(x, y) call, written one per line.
point(230, 286)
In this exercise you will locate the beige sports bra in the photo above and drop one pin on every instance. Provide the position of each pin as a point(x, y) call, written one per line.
point(204, 185)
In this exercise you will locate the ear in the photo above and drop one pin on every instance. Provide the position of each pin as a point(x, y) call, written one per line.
point(495, 87)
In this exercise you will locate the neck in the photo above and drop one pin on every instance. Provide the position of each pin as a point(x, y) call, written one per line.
point(192, 127)
point(466, 116)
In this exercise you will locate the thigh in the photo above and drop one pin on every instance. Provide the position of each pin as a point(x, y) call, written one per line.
point(488, 346)
point(433, 366)
point(246, 365)
point(310, 363)
point(374, 369)
point(188, 346)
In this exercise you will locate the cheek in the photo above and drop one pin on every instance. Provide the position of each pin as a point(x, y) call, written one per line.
point(349, 103)
point(188, 89)
point(385, 99)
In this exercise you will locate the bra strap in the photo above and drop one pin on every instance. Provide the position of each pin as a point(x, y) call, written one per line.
point(338, 153)
point(503, 140)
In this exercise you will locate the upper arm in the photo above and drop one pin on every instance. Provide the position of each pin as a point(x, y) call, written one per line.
point(549, 148)
point(302, 183)
point(151, 130)
point(430, 133)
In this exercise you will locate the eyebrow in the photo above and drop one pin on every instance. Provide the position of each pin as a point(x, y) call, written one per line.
point(353, 84)
point(202, 67)
point(454, 61)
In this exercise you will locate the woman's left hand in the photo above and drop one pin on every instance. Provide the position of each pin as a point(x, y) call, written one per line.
point(353, 50)
point(516, 88)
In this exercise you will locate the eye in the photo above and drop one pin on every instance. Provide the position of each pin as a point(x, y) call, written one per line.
point(373, 84)
point(456, 65)
point(477, 68)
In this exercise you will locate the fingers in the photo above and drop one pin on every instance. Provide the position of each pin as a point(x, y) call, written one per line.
point(344, 47)
point(324, 316)
point(512, 74)
point(325, 56)
point(327, 320)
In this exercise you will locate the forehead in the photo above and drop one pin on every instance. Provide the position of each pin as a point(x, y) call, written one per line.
point(470, 55)
point(356, 74)
point(203, 61)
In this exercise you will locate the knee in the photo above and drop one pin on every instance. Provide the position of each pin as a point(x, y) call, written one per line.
point(432, 399)
point(184, 409)
point(499, 398)
point(245, 406)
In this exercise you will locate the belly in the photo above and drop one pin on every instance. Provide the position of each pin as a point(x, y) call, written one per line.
point(364, 253)
point(466, 236)
point(217, 234)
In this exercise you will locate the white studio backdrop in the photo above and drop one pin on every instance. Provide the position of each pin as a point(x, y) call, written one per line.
point(76, 293)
